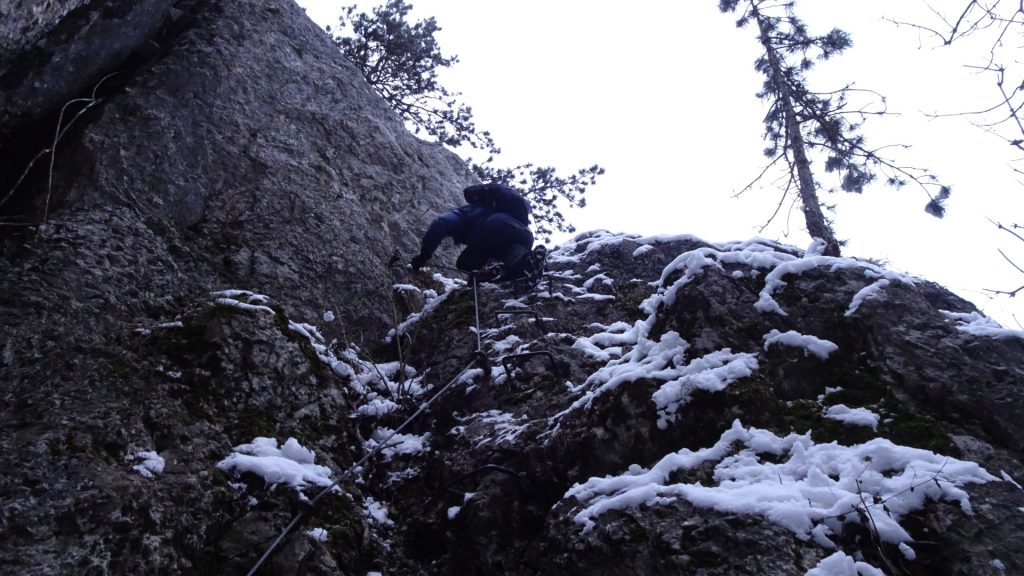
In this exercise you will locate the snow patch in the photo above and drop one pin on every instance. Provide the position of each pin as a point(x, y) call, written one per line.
point(318, 534)
point(810, 344)
point(852, 416)
point(978, 325)
point(496, 428)
point(839, 564)
point(396, 444)
point(799, 485)
point(643, 249)
point(866, 293)
point(774, 280)
point(377, 511)
point(713, 373)
point(1009, 479)
point(149, 463)
point(291, 464)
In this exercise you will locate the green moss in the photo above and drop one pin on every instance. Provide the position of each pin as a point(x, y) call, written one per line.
point(858, 392)
point(801, 415)
point(344, 527)
point(629, 301)
point(920, 432)
point(459, 312)
point(249, 425)
point(804, 415)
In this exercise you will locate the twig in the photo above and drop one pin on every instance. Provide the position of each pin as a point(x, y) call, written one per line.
point(875, 535)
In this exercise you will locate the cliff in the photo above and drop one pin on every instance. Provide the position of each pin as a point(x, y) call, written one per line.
point(201, 336)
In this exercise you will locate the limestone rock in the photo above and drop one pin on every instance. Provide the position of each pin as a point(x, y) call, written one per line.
point(199, 339)
point(53, 51)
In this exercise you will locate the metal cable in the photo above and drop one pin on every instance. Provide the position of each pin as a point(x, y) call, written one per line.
point(362, 461)
point(476, 307)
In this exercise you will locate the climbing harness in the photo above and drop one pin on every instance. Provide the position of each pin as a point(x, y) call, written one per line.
point(493, 273)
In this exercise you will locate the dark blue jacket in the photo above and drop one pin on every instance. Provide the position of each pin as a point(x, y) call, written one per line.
point(459, 224)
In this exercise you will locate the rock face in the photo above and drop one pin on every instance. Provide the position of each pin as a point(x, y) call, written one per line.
point(173, 395)
point(246, 140)
point(51, 51)
point(673, 350)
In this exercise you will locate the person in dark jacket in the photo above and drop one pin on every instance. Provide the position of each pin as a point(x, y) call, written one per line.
point(494, 225)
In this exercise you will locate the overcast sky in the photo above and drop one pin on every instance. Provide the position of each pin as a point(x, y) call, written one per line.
point(662, 94)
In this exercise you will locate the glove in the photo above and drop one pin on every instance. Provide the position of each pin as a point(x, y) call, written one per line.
point(418, 262)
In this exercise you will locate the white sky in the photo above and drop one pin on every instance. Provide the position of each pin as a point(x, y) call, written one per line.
point(661, 94)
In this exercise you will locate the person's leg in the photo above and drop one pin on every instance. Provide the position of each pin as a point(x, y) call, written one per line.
point(474, 257)
point(509, 241)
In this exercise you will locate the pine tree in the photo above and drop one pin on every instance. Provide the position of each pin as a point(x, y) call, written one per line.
point(544, 186)
point(400, 61)
point(803, 125)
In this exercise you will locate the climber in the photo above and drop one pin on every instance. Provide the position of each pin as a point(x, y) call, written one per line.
point(493, 224)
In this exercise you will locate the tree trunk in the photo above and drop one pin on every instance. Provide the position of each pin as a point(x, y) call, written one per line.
point(817, 226)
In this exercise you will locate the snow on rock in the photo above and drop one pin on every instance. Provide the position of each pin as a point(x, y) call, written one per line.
point(978, 325)
point(377, 407)
point(712, 372)
point(308, 331)
point(607, 344)
point(811, 344)
point(450, 285)
point(646, 360)
point(291, 464)
point(868, 292)
point(149, 463)
point(584, 244)
point(774, 280)
point(396, 444)
point(793, 482)
point(373, 381)
point(318, 534)
point(377, 511)
point(243, 300)
point(839, 564)
point(853, 416)
point(643, 249)
point(493, 427)
point(1010, 479)
point(509, 344)
point(602, 278)
point(664, 361)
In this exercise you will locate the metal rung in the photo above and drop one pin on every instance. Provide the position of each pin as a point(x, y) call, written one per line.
point(509, 362)
point(536, 315)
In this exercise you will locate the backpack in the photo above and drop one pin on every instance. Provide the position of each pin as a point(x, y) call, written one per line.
point(500, 198)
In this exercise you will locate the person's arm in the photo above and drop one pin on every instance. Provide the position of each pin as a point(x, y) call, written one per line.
point(442, 227)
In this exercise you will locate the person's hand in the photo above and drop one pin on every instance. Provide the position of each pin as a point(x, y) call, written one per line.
point(418, 262)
